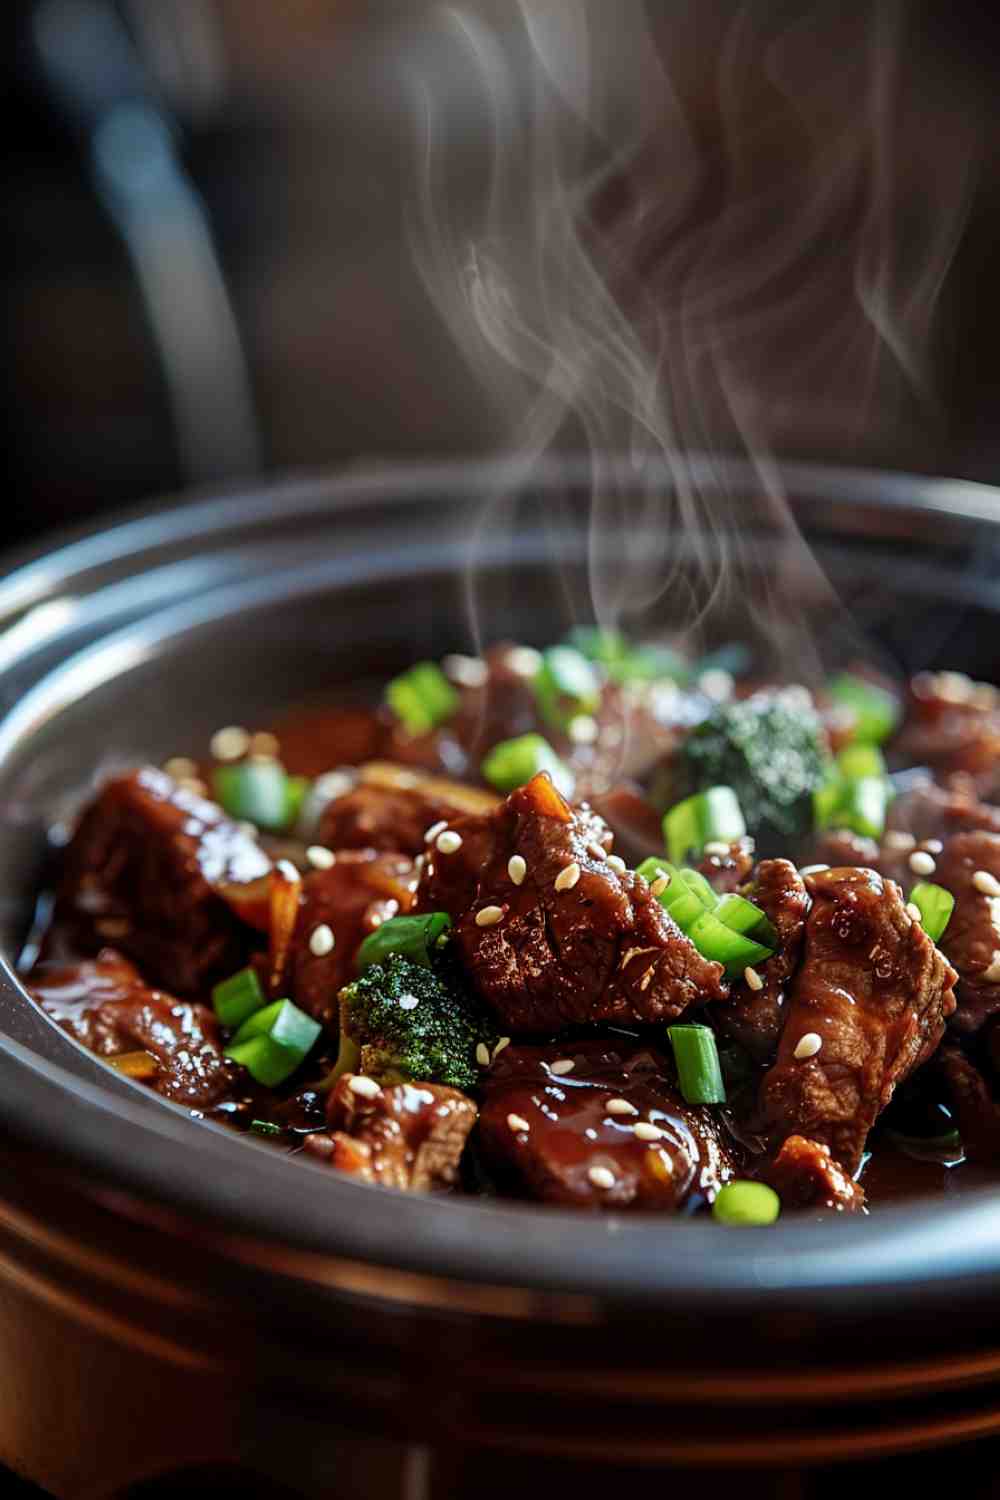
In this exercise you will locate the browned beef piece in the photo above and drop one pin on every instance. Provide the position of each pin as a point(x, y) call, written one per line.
point(633, 820)
point(951, 725)
point(977, 1112)
point(556, 1133)
point(752, 1017)
point(408, 1136)
point(105, 1005)
point(597, 946)
point(972, 937)
point(930, 811)
point(360, 890)
point(725, 873)
point(838, 847)
point(149, 869)
point(805, 1175)
point(392, 807)
point(876, 992)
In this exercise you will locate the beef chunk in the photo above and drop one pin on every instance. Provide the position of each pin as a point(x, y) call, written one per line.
point(597, 946)
point(408, 1136)
point(972, 937)
point(360, 890)
point(754, 1017)
point(929, 811)
point(805, 1175)
point(149, 868)
point(633, 820)
point(977, 1112)
point(876, 992)
point(952, 724)
point(725, 873)
point(106, 1006)
point(547, 1128)
point(838, 847)
point(392, 808)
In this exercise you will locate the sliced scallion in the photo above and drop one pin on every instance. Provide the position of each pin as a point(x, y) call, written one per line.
point(876, 712)
point(512, 763)
point(274, 1041)
point(749, 1204)
point(715, 941)
point(697, 1057)
point(566, 686)
point(414, 937)
point(236, 998)
point(859, 760)
point(255, 791)
point(422, 698)
point(745, 917)
point(935, 905)
point(713, 814)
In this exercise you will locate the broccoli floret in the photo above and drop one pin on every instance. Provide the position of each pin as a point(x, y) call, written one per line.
point(402, 1021)
point(771, 749)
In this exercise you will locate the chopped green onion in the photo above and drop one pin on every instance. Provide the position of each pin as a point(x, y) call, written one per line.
point(622, 661)
point(566, 686)
point(711, 814)
point(273, 1042)
point(255, 791)
point(697, 1059)
point(236, 998)
point(296, 791)
point(935, 905)
point(743, 916)
point(687, 893)
point(512, 763)
point(714, 940)
point(876, 711)
point(858, 760)
point(265, 1127)
point(422, 698)
point(859, 804)
point(414, 937)
point(746, 1203)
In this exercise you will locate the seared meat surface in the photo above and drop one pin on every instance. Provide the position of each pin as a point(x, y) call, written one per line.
point(409, 1136)
point(977, 1112)
point(391, 808)
point(360, 890)
point(575, 940)
point(148, 870)
point(568, 1135)
point(105, 1004)
point(875, 993)
point(969, 867)
point(725, 873)
point(754, 1017)
point(805, 1175)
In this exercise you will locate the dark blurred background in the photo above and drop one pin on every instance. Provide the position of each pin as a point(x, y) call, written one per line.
point(210, 273)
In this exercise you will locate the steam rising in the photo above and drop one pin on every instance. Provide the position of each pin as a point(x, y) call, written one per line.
point(703, 233)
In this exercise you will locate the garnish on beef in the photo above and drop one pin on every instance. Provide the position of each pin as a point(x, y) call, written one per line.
point(969, 867)
point(408, 1136)
point(874, 993)
point(805, 1175)
point(600, 1124)
point(148, 869)
point(573, 939)
point(105, 1004)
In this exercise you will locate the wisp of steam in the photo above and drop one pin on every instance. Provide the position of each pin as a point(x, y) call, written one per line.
point(702, 233)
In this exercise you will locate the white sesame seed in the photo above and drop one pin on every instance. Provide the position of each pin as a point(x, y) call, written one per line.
point(602, 1177)
point(501, 1044)
point(659, 885)
point(752, 978)
point(448, 842)
point(717, 847)
point(954, 687)
point(583, 730)
point(913, 911)
point(320, 858)
point(596, 852)
point(808, 1045)
point(517, 1123)
point(567, 879)
point(561, 1066)
point(524, 660)
point(647, 1132)
point(482, 1054)
point(230, 743)
point(813, 869)
point(365, 1088)
point(193, 784)
point(249, 830)
point(517, 868)
point(933, 846)
point(321, 940)
point(408, 1002)
point(620, 1107)
point(903, 842)
point(333, 784)
point(986, 883)
point(489, 916)
point(922, 864)
point(617, 864)
point(434, 830)
point(179, 766)
point(466, 671)
point(287, 871)
point(264, 743)
point(717, 683)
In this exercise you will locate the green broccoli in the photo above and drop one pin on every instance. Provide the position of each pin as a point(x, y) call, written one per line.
point(771, 749)
point(402, 1021)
